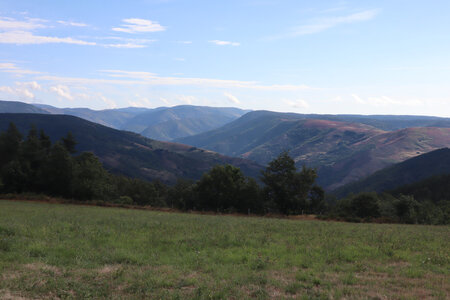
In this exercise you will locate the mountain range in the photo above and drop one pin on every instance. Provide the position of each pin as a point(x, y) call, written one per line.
point(162, 123)
point(128, 153)
point(343, 148)
point(342, 152)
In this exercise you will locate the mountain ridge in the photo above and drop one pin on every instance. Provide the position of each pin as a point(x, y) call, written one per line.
point(129, 153)
point(341, 151)
point(415, 169)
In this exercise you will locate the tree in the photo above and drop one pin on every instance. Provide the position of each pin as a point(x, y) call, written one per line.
point(57, 174)
point(225, 188)
point(286, 188)
point(69, 143)
point(365, 205)
point(9, 144)
point(317, 203)
point(90, 179)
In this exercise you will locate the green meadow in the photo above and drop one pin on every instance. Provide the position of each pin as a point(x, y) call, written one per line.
point(70, 251)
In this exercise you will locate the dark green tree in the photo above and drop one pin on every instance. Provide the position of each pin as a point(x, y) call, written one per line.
point(285, 187)
point(57, 174)
point(90, 179)
point(69, 143)
point(46, 143)
point(365, 205)
point(9, 144)
point(225, 187)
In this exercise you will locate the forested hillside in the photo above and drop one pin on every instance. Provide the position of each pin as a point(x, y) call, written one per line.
point(129, 153)
point(433, 163)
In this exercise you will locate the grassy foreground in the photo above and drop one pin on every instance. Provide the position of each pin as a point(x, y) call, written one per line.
point(68, 251)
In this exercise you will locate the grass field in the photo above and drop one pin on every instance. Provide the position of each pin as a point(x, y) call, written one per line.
point(68, 251)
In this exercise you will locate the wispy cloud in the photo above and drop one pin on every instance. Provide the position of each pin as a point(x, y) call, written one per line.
point(187, 99)
point(122, 77)
point(125, 46)
point(184, 42)
point(23, 90)
point(27, 24)
point(135, 25)
point(26, 37)
point(12, 68)
point(23, 32)
point(299, 103)
point(385, 101)
point(62, 91)
point(224, 43)
point(322, 24)
point(74, 24)
point(232, 98)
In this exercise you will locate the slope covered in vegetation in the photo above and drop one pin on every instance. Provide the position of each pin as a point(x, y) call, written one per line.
point(129, 153)
point(66, 251)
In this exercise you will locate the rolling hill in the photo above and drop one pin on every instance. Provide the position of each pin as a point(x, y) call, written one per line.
point(181, 121)
point(412, 170)
point(162, 123)
point(129, 153)
point(114, 118)
point(341, 151)
point(19, 107)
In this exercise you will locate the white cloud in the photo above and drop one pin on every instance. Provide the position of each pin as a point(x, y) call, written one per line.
point(299, 103)
point(146, 78)
point(164, 100)
point(110, 103)
point(383, 101)
point(32, 85)
point(232, 98)
point(21, 89)
point(125, 46)
point(153, 79)
point(358, 99)
point(224, 43)
point(179, 59)
point(25, 37)
point(12, 68)
point(13, 24)
point(125, 42)
point(75, 24)
point(184, 42)
point(140, 101)
point(7, 89)
point(62, 91)
point(323, 24)
point(135, 25)
point(187, 99)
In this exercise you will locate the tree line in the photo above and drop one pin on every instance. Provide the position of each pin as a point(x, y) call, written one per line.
point(393, 207)
point(33, 164)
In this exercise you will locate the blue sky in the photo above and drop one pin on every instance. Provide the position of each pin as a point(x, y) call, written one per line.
point(365, 57)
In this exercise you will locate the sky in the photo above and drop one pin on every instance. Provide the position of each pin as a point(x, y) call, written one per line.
point(332, 57)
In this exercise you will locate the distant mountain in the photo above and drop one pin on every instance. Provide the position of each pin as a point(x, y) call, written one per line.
point(114, 118)
point(433, 163)
point(129, 153)
point(341, 151)
point(181, 121)
point(162, 123)
point(19, 107)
